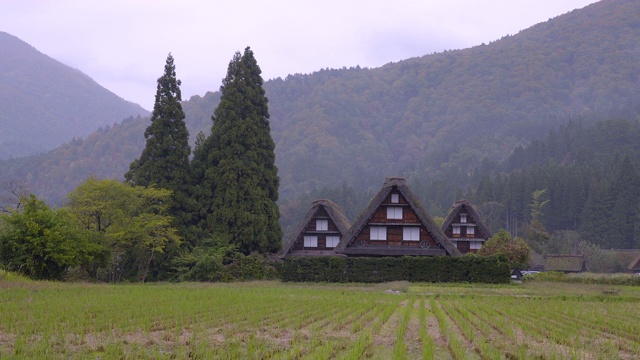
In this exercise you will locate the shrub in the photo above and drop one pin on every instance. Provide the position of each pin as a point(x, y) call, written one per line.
point(491, 269)
point(222, 264)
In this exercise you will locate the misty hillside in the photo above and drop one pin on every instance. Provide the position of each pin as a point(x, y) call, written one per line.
point(437, 114)
point(46, 103)
point(452, 109)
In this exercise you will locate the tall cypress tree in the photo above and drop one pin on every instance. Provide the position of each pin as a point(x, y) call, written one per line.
point(235, 166)
point(164, 162)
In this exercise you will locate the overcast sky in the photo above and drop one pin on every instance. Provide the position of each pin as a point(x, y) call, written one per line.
point(123, 44)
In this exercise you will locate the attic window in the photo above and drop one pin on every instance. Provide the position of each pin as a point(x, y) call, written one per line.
point(394, 212)
point(456, 230)
point(378, 233)
point(310, 241)
point(322, 225)
point(332, 241)
point(463, 218)
point(395, 198)
point(471, 230)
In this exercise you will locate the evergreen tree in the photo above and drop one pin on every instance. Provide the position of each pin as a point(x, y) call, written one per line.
point(595, 222)
point(164, 162)
point(625, 193)
point(235, 165)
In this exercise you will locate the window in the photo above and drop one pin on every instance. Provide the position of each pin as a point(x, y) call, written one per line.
point(395, 198)
point(394, 213)
point(332, 241)
point(463, 218)
point(475, 245)
point(411, 233)
point(322, 225)
point(456, 230)
point(378, 233)
point(471, 230)
point(310, 241)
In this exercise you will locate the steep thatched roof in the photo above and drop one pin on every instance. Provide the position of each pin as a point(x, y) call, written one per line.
point(400, 184)
point(457, 207)
point(565, 263)
point(335, 213)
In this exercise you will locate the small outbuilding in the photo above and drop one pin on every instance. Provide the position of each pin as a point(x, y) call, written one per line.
point(516, 274)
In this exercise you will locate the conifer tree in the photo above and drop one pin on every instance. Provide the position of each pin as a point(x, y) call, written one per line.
point(595, 220)
point(625, 193)
point(237, 180)
point(164, 162)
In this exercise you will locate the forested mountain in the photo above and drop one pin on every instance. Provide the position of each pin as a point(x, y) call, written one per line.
point(449, 110)
point(435, 119)
point(46, 103)
point(590, 177)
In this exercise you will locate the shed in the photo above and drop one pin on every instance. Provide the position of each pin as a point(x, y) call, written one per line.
point(516, 274)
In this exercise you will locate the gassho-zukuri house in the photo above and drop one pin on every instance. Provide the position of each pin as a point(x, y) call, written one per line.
point(319, 232)
point(464, 227)
point(393, 224)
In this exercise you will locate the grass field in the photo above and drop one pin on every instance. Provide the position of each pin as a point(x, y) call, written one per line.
point(259, 320)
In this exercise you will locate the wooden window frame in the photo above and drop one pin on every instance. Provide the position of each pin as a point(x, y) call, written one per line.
point(309, 239)
point(377, 231)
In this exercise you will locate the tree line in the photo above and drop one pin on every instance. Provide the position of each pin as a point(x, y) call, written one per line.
point(178, 209)
point(591, 179)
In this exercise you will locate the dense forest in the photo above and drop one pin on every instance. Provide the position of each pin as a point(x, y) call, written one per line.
point(591, 179)
point(464, 123)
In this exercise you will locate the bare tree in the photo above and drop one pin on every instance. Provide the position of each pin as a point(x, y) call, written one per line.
point(11, 195)
point(490, 212)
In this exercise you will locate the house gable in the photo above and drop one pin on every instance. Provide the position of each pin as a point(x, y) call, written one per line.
point(319, 232)
point(464, 227)
point(395, 224)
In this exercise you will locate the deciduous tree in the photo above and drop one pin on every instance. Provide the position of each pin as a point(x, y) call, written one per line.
point(516, 250)
point(131, 222)
point(39, 241)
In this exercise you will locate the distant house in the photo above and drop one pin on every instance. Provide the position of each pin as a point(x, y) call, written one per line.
point(565, 263)
point(319, 232)
point(464, 227)
point(635, 265)
point(395, 224)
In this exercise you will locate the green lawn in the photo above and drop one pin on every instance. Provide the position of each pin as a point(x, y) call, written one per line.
point(318, 321)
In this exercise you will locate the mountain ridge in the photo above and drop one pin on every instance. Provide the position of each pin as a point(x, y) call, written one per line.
point(74, 104)
point(421, 117)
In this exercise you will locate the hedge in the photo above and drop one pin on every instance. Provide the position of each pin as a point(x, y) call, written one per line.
point(473, 269)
